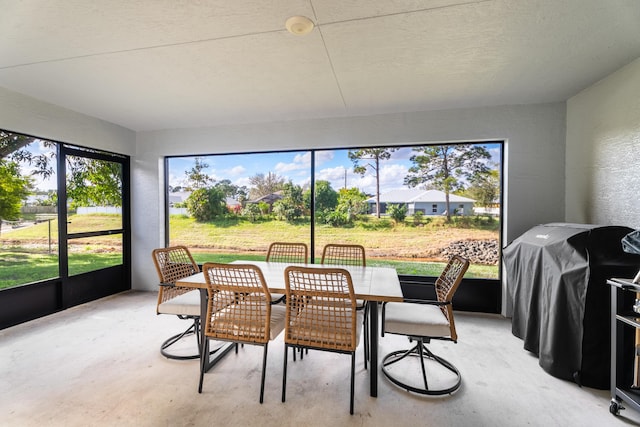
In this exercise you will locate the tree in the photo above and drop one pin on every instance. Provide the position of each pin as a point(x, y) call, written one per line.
point(326, 197)
point(12, 147)
point(352, 201)
point(14, 188)
point(375, 155)
point(446, 166)
point(291, 206)
point(196, 176)
point(232, 190)
point(205, 204)
point(485, 188)
point(92, 182)
point(265, 185)
point(89, 181)
point(11, 143)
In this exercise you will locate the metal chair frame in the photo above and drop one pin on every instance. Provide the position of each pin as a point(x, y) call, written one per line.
point(239, 310)
point(445, 286)
point(350, 254)
point(321, 315)
point(174, 263)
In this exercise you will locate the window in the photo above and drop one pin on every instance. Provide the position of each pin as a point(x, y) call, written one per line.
point(31, 236)
point(231, 206)
point(28, 212)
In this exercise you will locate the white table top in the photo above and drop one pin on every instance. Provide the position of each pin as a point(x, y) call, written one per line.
point(369, 283)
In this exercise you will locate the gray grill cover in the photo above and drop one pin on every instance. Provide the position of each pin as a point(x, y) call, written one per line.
point(556, 278)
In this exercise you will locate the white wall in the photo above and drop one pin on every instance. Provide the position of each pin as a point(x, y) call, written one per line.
point(603, 151)
point(534, 184)
point(534, 153)
point(22, 114)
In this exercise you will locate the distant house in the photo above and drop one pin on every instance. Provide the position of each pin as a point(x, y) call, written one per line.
point(269, 199)
point(182, 196)
point(429, 202)
point(178, 197)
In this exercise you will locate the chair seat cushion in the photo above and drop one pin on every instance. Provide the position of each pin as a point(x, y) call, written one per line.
point(187, 304)
point(278, 315)
point(420, 320)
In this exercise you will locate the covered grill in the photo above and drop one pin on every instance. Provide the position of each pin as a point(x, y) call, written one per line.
point(556, 276)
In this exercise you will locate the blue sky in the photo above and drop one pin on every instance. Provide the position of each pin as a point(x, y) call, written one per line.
point(331, 166)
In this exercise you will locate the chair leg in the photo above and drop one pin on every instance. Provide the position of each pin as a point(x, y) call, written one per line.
point(366, 335)
point(264, 369)
point(204, 355)
point(422, 351)
point(284, 370)
point(353, 371)
point(192, 329)
point(424, 371)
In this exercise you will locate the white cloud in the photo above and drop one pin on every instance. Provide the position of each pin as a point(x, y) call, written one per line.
point(236, 170)
point(300, 161)
point(323, 157)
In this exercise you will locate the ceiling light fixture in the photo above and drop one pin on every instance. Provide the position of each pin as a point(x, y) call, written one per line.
point(299, 25)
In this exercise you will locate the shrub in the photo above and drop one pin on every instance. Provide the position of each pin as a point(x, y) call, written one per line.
point(205, 204)
point(397, 212)
point(252, 212)
point(418, 217)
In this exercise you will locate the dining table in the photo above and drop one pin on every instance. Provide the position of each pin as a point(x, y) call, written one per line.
point(374, 285)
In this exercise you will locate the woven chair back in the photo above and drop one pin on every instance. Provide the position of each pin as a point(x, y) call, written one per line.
point(288, 252)
point(321, 308)
point(446, 286)
point(238, 307)
point(343, 254)
point(173, 263)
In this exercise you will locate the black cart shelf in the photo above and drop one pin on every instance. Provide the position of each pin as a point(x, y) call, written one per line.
point(625, 368)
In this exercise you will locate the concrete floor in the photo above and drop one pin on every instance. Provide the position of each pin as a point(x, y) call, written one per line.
point(99, 365)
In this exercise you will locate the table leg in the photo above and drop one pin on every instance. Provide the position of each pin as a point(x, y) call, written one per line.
point(373, 348)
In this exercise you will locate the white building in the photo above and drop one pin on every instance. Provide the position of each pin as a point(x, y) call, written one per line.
point(429, 202)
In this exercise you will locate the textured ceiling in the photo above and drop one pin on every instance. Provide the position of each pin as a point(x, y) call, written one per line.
point(158, 64)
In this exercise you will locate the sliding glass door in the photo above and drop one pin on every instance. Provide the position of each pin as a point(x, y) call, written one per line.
point(64, 226)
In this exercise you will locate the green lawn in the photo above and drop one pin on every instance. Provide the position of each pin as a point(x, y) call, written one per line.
point(407, 247)
point(17, 268)
point(409, 268)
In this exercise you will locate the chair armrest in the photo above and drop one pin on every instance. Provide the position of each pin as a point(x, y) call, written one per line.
point(168, 285)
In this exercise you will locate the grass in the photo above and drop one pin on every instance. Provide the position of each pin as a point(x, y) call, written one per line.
point(429, 269)
point(403, 242)
point(411, 249)
point(399, 246)
point(17, 268)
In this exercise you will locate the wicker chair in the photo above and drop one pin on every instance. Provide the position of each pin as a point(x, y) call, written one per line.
point(321, 314)
point(342, 254)
point(348, 254)
point(174, 263)
point(422, 321)
point(239, 310)
point(289, 253)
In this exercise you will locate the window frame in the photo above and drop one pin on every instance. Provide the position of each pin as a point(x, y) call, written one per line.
point(468, 298)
